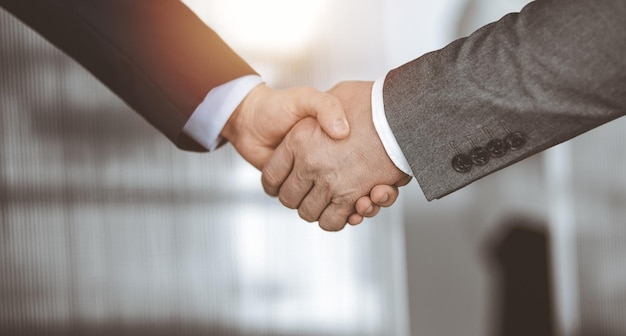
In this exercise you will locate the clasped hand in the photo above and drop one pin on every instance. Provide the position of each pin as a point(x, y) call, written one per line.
point(329, 180)
point(326, 159)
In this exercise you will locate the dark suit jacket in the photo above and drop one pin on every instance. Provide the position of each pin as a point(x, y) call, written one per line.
point(551, 72)
point(156, 55)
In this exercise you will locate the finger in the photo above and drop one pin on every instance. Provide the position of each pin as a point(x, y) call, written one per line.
point(294, 190)
point(335, 217)
point(326, 108)
point(314, 203)
point(355, 219)
point(366, 208)
point(277, 169)
point(384, 195)
point(403, 181)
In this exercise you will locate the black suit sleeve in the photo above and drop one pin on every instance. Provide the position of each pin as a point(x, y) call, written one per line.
point(158, 56)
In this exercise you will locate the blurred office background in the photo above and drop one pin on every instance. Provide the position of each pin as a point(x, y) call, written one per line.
point(106, 228)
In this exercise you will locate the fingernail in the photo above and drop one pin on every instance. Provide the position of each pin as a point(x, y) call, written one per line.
point(384, 198)
point(340, 126)
point(369, 210)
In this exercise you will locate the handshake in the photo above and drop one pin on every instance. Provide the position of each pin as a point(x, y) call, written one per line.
point(318, 152)
point(332, 155)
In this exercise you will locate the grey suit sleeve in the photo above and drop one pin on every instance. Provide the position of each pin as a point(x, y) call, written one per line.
point(547, 74)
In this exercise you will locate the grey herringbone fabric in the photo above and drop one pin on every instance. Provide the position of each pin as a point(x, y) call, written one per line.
point(551, 72)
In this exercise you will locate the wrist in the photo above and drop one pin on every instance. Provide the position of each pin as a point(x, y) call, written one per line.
point(230, 130)
point(239, 122)
point(383, 129)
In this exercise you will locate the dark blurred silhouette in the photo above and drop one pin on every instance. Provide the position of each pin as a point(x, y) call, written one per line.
point(523, 303)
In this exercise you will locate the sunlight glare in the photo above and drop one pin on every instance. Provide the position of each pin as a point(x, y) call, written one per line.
point(283, 26)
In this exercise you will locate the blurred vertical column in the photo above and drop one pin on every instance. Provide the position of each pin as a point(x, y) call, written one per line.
point(562, 230)
point(598, 196)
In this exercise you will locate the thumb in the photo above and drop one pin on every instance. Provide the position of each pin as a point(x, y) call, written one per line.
point(326, 108)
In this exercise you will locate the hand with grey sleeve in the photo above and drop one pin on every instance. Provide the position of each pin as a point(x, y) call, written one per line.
point(508, 91)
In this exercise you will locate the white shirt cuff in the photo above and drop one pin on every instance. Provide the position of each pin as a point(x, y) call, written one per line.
point(384, 131)
point(208, 120)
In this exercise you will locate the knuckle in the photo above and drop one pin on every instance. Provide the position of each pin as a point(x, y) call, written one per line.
point(335, 217)
point(346, 200)
point(306, 214)
point(332, 226)
point(310, 168)
point(287, 202)
point(270, 183)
